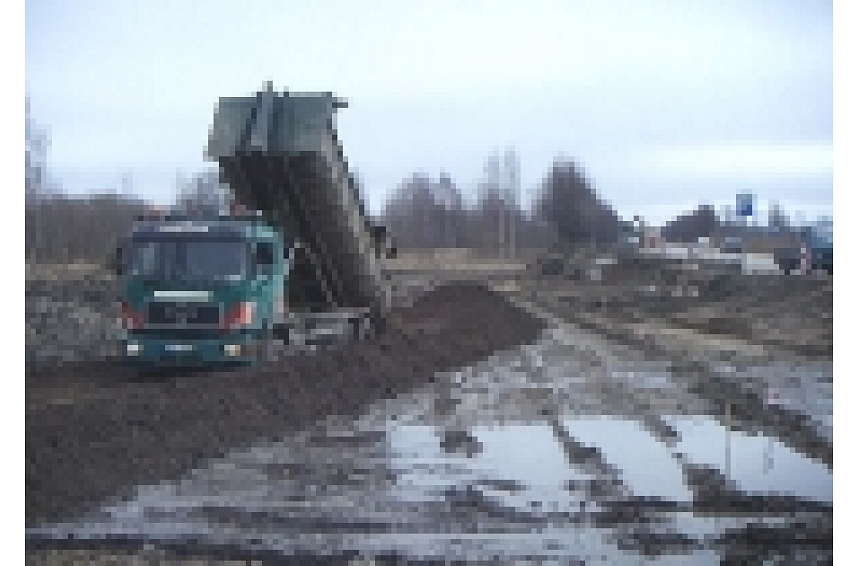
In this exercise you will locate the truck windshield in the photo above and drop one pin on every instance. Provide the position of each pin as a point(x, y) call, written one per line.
point(189, 259)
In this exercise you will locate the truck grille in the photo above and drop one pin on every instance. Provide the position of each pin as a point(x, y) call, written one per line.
point(171, 313)
point(176, 333)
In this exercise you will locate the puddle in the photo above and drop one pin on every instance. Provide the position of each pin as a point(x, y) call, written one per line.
point(421, 467)
point(757, 464)
point(528, 454)
point(517, 467)
point(646, 464)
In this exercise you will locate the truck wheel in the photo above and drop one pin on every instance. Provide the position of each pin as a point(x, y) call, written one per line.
point(268, 341)
point(377, 322)
point(361, 327)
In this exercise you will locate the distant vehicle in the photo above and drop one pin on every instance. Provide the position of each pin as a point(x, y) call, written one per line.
point(819, 247)
point(628, 244)
point(551, 265)
point(732, 245)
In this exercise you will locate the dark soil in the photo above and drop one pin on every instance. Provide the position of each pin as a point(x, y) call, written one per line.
point(95, 430)
point(134, 551)
point(789, 313)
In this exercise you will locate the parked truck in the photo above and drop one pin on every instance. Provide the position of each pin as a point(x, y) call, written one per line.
point(219, 288)
point(813, 252)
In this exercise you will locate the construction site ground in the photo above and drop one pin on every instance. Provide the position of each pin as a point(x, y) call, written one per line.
point(618, 410)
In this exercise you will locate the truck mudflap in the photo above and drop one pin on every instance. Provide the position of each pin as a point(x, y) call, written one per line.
point(304, 327)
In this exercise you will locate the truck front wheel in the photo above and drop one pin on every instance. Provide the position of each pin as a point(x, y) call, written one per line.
point(267, 343)
point(361, 327)
point(378, 322)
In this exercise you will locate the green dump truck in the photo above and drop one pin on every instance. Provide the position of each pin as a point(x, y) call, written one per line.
point(217, 289)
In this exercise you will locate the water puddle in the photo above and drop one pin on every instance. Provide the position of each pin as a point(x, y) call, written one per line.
point(517, 469)
point(756, 464)
point(646, 464)
point(510, 458)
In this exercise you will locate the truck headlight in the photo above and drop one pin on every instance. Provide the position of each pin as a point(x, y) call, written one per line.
point(232, 349)
point(132, 348)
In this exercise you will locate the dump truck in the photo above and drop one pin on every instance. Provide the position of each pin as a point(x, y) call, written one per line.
point(298, 251)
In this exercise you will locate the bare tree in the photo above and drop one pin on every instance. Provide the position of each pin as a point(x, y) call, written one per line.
point(689, 227)
point(63, 229)
point(423, 213)
point(59, 228)
point(453, 217)
point(570, 203)
point(203, 194)
point(411, 211)
point(36, 144)
point(494, 198)
point(512, 173)
point(778, 220)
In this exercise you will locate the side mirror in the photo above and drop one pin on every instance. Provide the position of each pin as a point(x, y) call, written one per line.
point(115, 263)
point(383, 242)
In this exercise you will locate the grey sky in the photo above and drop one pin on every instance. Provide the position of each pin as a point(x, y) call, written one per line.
point(664, 103)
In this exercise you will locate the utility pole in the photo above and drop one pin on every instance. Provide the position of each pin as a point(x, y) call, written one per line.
point(512, 167)
point(494, 192)
point(450, 207)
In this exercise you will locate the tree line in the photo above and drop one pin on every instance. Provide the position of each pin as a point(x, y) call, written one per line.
point(422, 213)
point(426, 213)
point(61, 228)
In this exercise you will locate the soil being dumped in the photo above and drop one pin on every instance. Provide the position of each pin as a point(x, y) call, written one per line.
point(95, 430)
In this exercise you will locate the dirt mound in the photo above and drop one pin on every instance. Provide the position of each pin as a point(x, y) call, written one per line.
point(93, 431)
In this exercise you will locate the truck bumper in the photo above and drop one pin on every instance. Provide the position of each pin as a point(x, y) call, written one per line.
point(230, 350)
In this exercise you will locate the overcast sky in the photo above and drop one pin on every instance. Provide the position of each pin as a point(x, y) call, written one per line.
point(665, 104)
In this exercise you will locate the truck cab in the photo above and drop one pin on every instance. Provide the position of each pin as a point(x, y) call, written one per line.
point(200, 290)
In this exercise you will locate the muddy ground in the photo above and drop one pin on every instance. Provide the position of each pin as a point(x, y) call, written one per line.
point(94, 432)
point(788, 314)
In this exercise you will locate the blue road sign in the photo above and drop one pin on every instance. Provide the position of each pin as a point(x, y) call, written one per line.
point(745, 204)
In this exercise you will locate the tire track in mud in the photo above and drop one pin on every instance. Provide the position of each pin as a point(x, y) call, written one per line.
point(732, 401)
point(805, 526)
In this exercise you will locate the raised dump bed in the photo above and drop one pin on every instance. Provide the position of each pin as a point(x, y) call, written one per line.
point(280, 154)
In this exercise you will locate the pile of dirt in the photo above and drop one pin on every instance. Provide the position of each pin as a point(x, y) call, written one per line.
point(70, 317)
point(95, 430)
